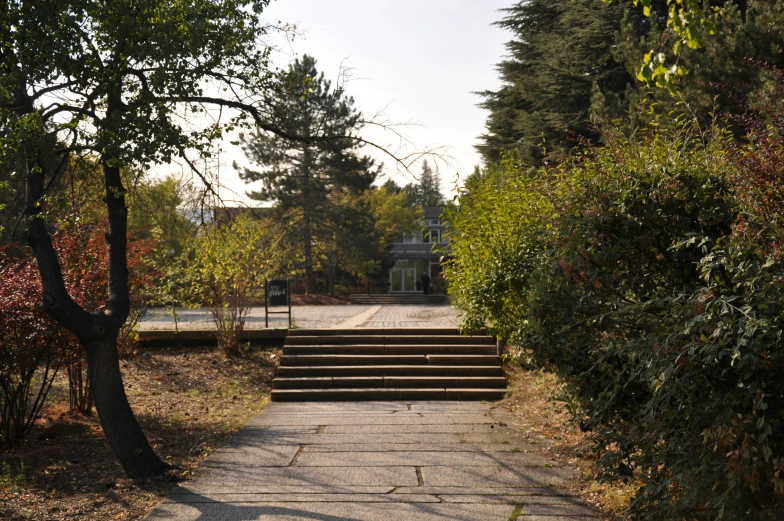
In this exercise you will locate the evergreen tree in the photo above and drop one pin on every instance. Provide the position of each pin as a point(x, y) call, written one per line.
point(303, 176)
point(733, 71)
point(561, 52)
point(428, 191)
point(571, 61)
point(392, 187)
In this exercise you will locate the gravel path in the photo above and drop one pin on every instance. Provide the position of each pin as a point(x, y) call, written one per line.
point(313, 317)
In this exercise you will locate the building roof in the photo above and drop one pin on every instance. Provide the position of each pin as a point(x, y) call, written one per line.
point(433, 212)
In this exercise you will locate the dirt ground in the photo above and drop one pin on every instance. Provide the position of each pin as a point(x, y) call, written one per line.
point(531, 398)
point(188, 402)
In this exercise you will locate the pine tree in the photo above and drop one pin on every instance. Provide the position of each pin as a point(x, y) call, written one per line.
point(561, 52)
point(303, 176)
point(427, 192)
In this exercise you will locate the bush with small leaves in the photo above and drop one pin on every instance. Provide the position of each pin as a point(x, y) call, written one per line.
point(231, 261)
point(649, 275)
point(32, 347)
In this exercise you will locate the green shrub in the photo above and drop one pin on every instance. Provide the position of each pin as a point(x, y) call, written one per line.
point(499, 235)
point(231, 261)
point(642, 276)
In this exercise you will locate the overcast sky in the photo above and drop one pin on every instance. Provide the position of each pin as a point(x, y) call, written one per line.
point(423, 59)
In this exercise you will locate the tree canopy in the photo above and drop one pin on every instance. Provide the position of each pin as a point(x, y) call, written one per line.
point(114, 80)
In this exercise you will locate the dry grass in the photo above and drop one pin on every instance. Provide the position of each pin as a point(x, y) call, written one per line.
point(188, 402)
point(532, 399)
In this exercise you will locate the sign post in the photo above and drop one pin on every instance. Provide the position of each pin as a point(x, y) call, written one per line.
point(277, 293)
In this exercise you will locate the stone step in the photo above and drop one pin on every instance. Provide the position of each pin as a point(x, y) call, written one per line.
point(388, 340)
point(388, 370)
point(396, 382)
point(399, 298)
point(313, 360)
point(300, 395)
point(388, 364)
point(394, 349)
point(391, 331)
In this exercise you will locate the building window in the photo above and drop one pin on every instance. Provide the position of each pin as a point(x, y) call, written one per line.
point(410, 238)
point(431, 236)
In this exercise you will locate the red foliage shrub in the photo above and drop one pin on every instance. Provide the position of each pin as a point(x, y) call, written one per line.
point(33, 342)
point(30, 343)
point(84, 259)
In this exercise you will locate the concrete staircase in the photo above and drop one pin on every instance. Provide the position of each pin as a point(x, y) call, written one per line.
point(388, 364)
point(398, 299)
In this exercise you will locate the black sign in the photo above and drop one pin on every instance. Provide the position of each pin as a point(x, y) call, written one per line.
point(278, 295)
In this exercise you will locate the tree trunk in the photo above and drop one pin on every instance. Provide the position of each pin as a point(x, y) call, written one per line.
point(332, 273)
point(308, 238)
point(97, 332)
point(119, 424)
point(307, 232)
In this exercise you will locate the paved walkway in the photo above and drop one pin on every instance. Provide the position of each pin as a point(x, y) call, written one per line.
point(386, 461)
point(314, 317)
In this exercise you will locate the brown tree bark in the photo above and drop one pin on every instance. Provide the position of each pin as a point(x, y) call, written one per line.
point(307, 231)
point(97, 332)
point(308, 238)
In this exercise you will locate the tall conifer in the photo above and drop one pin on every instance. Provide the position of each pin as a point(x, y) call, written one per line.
point(573, 60)
point(306, 177)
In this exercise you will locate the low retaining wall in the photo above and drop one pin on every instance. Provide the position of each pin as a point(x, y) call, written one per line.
point(159, 338)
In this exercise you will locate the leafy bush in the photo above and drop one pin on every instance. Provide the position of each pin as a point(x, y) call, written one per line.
point(31, 350)
point(85, 257)
point(650, 279)
point(499, 235)
point(230, 264)
point(84, 260)
point(33, 347)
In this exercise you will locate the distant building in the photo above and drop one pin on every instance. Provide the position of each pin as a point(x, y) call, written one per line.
point(414, 256)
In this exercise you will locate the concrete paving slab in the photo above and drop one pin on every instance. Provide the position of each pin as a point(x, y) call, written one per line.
point(479, 491)
point(302, 498)
point(516, 499)
point(329, 512)
point(444, 476)
point(407, 447)
point(426, 407)
point(265, 456)
point(500, 435)
point(216, 479)
point(342, 407)
point(279, 430)
point(421, 459)
point(406, 429)
point(184, 489)
point(352, 442)
point(376, 461)
point(375, 419)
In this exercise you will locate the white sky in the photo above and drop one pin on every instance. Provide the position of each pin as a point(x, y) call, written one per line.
point(421, 58)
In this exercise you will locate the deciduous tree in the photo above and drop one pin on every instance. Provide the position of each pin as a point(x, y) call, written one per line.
point(113, 80)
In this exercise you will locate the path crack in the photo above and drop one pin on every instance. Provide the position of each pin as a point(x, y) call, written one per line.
point(420, 478)
point(296, 456)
